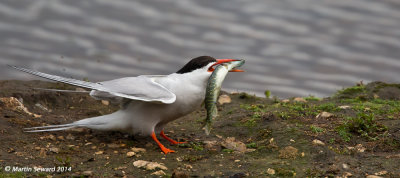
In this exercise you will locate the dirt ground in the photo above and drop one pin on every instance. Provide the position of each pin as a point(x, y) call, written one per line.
point(354, 133)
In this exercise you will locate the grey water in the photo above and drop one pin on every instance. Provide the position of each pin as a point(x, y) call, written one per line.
point(291, 47)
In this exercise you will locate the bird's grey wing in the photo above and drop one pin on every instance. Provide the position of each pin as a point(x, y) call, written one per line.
point(142, 87)
point(161, 94)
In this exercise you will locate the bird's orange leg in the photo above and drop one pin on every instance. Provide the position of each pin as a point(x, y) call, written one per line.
point(169, 139)
point(163, 148)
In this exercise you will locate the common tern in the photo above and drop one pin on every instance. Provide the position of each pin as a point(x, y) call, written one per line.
point(148, 102)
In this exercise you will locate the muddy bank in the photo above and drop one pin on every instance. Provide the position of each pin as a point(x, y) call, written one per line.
point(355, 133)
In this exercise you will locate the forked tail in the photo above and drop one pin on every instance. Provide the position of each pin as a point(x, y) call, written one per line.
point(114, 121)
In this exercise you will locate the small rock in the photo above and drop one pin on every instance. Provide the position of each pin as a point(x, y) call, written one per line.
point(137, 150)
point(99, 152)
point(140, 163)
point(285, 101)
point(224, 99)
point(381, 173)
point(188, 166)
point(93, 147)
point(236, 161)
point(298, 99)
point(318, 142)
point(373, 176)
point(272, 144)
point(347, 174)
point(130, 154)
point(179, 174)
point(112, 145)
point(345, 166)
point(154, 165)
point(291, 140)
point(230, 143)
point(37, 148)
point(148, 165)
point(70, 137)
point(54, 150)
point(302, 154)
point(60, 137)
point(42, 152)
point(211, 145)
point(14, 104)
point(288, 152)
point(324, 115)
point(270, 171)
point(159, 173)
point(87, 173)
point(360, 148)
point(344, 107)
point(105, 102)
point(52, 137)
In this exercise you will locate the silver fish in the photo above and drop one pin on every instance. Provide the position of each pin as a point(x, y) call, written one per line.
point(213, 89)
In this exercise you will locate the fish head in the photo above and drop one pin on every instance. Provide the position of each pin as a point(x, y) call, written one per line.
point(230, 64)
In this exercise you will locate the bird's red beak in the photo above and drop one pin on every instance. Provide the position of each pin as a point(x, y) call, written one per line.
point(220, 61)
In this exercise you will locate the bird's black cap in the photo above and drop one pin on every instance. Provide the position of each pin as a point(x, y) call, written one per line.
point(196, 63)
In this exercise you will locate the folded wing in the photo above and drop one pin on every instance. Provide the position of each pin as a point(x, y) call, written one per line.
point(142, 88)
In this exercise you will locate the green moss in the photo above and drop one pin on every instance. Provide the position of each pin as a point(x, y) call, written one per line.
point(227, 150)
point(312, 98)
point(251, 145)
point(352, 90)
point(316, 129)
point(13, 175)
point(364, 124)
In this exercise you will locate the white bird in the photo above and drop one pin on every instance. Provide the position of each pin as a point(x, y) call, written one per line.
point(148, 102)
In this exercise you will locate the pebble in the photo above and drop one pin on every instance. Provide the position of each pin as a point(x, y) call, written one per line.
point(360, 148)
point(99, 152)
point(381, 173)
point(138, 149)
point(112, 145)
point(223, 99)
point(345, 107)
point(231, 143)
point(130, 154)
point(87, 173)
point(159, 173)
point(373, 176)
point(149, 165)
point(105, 102)
point(324, 115)
point(347, 174)
point(60, 137)
point(285, 101)
point(298, 99)
point(318, 142)
point(270, 171)
point(54, 150)
point(288, 152)
point(70, 137)
point(345, 166)
point(52, 137)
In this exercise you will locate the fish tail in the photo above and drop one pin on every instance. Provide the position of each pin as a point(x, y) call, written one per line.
point(207, 128)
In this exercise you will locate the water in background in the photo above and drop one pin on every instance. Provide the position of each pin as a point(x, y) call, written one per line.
point(291, 47)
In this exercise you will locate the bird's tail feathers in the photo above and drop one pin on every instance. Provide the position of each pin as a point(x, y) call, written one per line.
point(114, 121)
point(57, 90)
